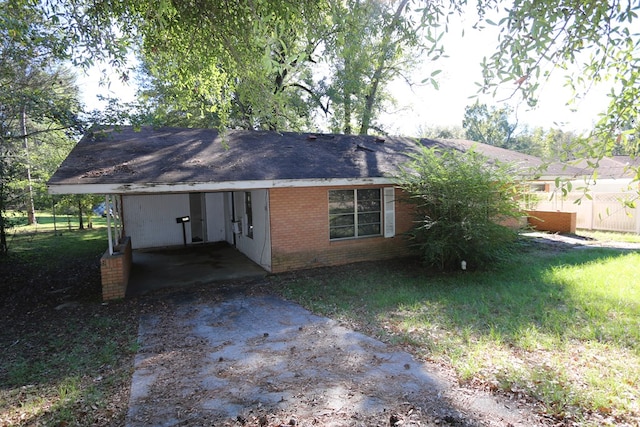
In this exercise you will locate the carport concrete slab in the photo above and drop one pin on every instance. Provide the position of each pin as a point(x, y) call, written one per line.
point(183, 266)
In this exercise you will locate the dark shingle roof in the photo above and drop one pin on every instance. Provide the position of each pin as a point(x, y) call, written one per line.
point(183, 155)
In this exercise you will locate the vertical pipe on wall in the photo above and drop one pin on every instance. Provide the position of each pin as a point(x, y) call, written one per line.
point(121, 216)
point(266, 227)
point(233, 217)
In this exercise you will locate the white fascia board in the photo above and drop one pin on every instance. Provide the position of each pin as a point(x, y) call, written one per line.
point(209, 186)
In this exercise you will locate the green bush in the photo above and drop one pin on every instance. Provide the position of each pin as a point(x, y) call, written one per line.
point(460, 199)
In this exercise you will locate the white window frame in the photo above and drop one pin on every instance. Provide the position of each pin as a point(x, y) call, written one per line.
point(382, 214)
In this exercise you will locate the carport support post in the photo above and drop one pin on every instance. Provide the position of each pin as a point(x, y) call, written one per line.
point(106, 204)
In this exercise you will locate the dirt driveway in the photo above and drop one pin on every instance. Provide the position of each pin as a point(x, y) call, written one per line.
point(254, 359)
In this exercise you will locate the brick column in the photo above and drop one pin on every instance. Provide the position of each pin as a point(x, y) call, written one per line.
point(115, 271)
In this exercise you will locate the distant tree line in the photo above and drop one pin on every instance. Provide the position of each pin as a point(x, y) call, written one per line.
point(496, 126)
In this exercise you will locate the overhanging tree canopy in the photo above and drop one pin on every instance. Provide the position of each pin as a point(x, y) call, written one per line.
point(275, 38)
point(259, 55)
point(599, 38)
point(260, 63)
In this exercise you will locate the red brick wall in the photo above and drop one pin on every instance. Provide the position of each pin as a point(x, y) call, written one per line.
point(300, 231)
point(558, 222)
point(115, 270)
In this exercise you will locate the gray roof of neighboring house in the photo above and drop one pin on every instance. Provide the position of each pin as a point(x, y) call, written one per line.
point(531, 166)
point(119, 159)
point(616, 167)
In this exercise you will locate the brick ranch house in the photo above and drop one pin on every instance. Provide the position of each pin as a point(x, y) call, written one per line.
point(286, 200)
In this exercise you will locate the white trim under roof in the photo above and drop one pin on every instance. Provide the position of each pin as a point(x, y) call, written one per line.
point(199, 187)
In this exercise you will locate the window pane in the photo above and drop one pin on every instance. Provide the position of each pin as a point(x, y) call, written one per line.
point(368, 205)
point(369, 230)
point(369, 194)
point(369, 200)
point(340, 195)
point(339, 208)
point(341, 220)
point(342, 232)
point(369, 218)
point(344, 205)
point(341, 201)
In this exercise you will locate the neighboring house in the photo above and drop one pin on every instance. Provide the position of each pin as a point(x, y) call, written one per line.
point(597, 196)
point(286, 200)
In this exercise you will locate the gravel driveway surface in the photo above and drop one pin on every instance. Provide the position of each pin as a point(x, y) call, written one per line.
point(241, 359)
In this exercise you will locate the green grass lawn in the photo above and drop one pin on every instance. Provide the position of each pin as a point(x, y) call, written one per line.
point(561, 328)
point(65, 357)
point(610, 236)
point(47, 222)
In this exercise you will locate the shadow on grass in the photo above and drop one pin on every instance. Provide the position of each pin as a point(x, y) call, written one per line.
point(529, 294)
point(515, 296)
point(542, 301)
point(67, 366)
point(46, 222)
point(46, 248)
point(64, 356)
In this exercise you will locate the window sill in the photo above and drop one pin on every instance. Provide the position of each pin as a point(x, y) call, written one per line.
point(350, 239)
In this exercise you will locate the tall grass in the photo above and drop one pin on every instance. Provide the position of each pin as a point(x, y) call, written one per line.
point(560, 328)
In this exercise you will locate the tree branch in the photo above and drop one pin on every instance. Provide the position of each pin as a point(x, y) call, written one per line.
point(314, 95)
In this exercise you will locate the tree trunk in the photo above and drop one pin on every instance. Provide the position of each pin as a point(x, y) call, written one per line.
point(4, 249)
point(367, 113)
point(31, 209)
point(387, 46)
point(347, 113)
point(81, 224)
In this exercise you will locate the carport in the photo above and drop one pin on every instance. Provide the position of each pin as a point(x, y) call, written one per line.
point(182, 266)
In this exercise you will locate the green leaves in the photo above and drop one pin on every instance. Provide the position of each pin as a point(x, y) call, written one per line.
point(488, 125)
point(459, 199)
point(595, 38)
point(39, 103)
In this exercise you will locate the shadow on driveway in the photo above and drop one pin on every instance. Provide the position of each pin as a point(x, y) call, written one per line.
point(240, 359)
